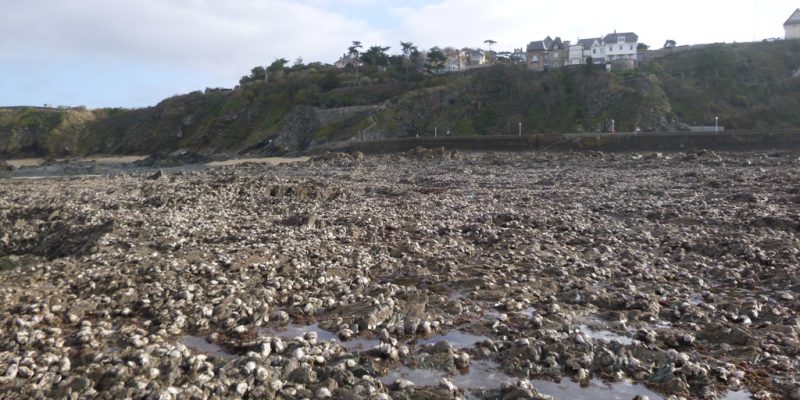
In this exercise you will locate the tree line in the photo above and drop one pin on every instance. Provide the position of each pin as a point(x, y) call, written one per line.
point(409, 60)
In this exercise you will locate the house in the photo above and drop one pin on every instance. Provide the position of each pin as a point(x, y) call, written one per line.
point(579, 51)
point(586, 48)
point(620, 46)
point(792, 26)
point(466, 58)
point(475, 57)
point(535, 54)
point(345, 60)
point(518, 56)
point(456, 59)
point(598, 51)
point(548, 53)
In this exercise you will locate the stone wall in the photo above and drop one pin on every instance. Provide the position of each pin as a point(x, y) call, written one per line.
point(624, 142)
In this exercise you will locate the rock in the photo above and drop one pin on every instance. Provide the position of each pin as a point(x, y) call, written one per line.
point(462, 360)
point(174, 159)
point(324, 393)
point(112, 277)
point(302, 375)
point(446, 384)
point(403, 384)
point(156, 175)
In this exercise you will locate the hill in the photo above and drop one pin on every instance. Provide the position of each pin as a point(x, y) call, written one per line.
point(749, 86)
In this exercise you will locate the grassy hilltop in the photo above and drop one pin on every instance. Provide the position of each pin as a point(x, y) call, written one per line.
point(749, 86)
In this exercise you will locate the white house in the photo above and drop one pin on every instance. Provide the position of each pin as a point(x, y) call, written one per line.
point(792, 26)
point(620, 46)
point(456, 59)
point(475, 56)
point(347, 59)
point(598, 51)
point(575, 55)
point(585, 48)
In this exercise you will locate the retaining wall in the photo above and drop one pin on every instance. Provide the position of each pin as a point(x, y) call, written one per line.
point(621, 142)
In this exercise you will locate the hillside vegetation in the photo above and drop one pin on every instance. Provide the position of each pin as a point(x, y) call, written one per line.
point(749, 86)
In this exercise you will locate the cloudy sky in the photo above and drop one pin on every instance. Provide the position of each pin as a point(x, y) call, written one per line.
point(133, 53)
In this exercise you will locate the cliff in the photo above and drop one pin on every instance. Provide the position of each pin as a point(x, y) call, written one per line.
point(749, 86)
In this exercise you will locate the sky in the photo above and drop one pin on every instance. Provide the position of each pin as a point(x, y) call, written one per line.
point(134, 53)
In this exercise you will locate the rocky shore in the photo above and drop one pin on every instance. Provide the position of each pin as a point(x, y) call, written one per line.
point(425, 275)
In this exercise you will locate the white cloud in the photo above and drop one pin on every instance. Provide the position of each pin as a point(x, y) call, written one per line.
point(514, 23)
point(223, 37)
point(214, 42)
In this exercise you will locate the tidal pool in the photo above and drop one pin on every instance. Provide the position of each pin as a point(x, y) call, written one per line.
point(292, 331)
point(201, 345)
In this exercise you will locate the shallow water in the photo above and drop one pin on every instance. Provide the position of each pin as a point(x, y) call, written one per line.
point(604, 335)
point(420, 377)
point(292, 331)
point(483, 374)
point(596, 328)
point(201, 345)
point(487, 375)
point(738, 395)
point(529, 311)
point(597, 390)
point(456, 338)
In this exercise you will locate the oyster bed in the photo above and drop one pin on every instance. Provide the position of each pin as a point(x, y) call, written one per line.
point(427, 275)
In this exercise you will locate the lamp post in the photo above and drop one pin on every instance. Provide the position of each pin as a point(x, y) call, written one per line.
point(716, 124)
point(520, 129)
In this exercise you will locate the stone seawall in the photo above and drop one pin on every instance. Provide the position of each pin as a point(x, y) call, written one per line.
point(622, 142)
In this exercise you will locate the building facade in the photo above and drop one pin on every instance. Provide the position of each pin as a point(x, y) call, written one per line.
point(549, 53)
point(620, 46)
point(792, 26)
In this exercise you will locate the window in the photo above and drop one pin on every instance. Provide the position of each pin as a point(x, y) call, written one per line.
point(631, 47)
point(621, 39)
point(610, 49)
point(594, 51)
point(620, 47)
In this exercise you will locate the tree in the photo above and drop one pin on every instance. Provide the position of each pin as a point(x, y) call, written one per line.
point(256, 74)
point(376, 55)
point(408, 50)
point(354, 51)
point(670, 44)
point(329, 81)
point(642, 47)
point(276, 68)
point(589, 66)
point(491, 43)
point(436, 59)
point(278, 65)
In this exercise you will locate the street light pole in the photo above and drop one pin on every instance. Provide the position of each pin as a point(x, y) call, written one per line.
point(716, 124)
point(520, 129)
